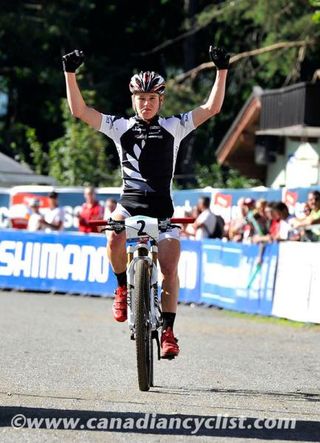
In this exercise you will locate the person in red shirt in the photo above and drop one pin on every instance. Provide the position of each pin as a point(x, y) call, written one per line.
point(91, 210)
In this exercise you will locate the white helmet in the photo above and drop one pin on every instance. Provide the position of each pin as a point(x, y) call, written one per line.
point(147, 82)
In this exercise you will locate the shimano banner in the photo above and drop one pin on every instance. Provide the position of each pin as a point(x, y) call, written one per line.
point(229, 275)
point(239, 277)
point(76, 263)
point(55, 262)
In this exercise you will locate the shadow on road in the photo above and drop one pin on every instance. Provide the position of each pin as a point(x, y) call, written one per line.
point(298, 395)
point(160, 424)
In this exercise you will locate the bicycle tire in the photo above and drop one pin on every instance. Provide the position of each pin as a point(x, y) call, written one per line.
point(142, 326)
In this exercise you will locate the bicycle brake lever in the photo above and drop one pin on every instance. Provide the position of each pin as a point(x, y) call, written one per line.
point(116, 230)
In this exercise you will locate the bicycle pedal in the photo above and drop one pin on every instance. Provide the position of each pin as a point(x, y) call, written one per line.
point(168, 357)
point(155, 336)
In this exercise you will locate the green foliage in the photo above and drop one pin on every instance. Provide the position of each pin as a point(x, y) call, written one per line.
point(316, 17)
point(238, 181)
point(79, 157)
point(39, 157)
point(119, 39)
point(316, 14)
point(180, 98)
point(213, 175)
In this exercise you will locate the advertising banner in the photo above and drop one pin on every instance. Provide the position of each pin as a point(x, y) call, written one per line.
point(57, 262)
point(297, 288)
point(75, 263)
point(190, 273)
point(4, 208)
point(238, 276)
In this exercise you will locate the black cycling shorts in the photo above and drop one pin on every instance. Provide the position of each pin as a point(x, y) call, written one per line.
point(150, 204)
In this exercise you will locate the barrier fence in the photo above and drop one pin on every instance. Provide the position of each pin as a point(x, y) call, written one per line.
point(283, 280)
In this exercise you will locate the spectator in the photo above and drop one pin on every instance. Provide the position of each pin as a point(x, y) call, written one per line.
point(91, 210)
point(279, 227)
point(269, 215)
point(314, 203)
point(109, 207)
point(260, 221)
point(241, 228)
point(312, 219)
point(268, 210)
point(206, 222)
point(54, 216)
point(282, 227)
point(314, 216)
point(188, 230)
point(18, 216)
point(306, 209)
point(35, 219)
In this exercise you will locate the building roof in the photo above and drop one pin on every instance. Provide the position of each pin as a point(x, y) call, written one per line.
point(13, 173)
point(293, 131)
point(247, 117)
point(286, 112)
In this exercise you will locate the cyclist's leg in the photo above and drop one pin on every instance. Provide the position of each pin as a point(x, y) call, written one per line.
point(116, 246)
point(169, 254)
point(116, 251)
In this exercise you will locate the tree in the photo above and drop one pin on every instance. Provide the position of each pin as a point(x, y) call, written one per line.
point(120, 38)
point(217, 177)
point(316, 14)
point(79, 156)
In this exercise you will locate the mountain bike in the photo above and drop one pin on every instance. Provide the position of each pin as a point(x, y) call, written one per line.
point(144, 310)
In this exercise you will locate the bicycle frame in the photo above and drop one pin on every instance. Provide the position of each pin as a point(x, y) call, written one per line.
point(142, 251)
point(144, 313)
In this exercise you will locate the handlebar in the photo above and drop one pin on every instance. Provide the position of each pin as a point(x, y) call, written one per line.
point(110, 221)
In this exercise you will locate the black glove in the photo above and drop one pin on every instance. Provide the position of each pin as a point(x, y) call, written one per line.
point(219, 57)
point(72, 61)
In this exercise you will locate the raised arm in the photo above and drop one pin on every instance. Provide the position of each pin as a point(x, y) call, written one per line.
point(77, 105)
point(214, 103)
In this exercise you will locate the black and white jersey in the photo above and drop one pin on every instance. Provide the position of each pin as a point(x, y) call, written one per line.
point(147, 151)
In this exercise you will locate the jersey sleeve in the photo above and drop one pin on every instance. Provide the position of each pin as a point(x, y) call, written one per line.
point(113, 126)
point(179, 125)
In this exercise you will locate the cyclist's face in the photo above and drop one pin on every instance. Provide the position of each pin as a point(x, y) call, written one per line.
point(146, 104)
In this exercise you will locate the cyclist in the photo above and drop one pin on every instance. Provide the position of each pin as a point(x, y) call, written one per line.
point(147, 145)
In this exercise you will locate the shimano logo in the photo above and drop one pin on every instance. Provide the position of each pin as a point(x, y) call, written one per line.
point(53, 261)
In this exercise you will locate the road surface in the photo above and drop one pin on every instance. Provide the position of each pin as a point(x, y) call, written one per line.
point(63, 357)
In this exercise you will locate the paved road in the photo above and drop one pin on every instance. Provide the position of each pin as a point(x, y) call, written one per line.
point(63, 356)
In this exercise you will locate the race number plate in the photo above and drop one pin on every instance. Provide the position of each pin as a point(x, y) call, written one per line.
point(142, 226)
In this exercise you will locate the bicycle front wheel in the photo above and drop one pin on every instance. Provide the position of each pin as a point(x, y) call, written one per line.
point(142, 325)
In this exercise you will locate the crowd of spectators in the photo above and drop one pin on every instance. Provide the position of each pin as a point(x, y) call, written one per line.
point(51, 218)
point(257, 221)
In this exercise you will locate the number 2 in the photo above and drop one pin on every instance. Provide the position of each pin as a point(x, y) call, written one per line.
point(143, 224)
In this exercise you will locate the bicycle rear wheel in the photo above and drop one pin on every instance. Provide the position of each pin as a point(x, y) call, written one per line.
point(142, 325)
